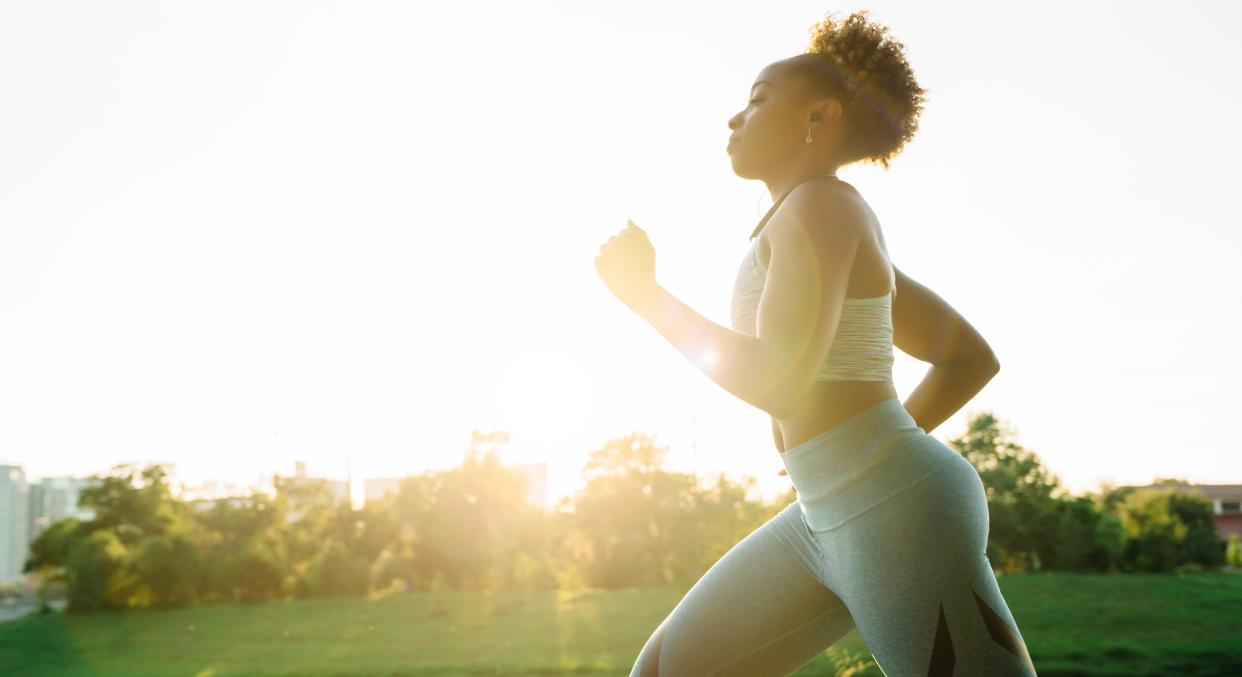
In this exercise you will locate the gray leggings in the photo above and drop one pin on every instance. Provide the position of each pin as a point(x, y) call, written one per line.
point(888, 535)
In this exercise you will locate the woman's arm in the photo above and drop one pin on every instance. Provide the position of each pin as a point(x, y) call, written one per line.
point(812, 238)
point(754, 368)
point(929, 329)
point(740, 363)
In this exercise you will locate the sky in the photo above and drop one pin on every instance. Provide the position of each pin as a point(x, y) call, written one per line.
point(234, 235)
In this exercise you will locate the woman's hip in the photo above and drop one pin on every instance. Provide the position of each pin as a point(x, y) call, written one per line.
point(877, 456)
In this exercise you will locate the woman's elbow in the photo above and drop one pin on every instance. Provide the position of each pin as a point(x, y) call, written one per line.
point(989, 364)
point(981, 360)
point(992, 362)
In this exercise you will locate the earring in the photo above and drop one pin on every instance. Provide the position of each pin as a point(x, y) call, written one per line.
point(808, 134)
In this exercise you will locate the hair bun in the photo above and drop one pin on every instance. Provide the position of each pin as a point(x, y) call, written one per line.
point(858, 59)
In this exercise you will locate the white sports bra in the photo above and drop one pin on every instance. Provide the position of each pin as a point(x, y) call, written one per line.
point(862, 348)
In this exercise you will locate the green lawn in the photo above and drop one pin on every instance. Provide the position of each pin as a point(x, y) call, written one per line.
point(1074, 625)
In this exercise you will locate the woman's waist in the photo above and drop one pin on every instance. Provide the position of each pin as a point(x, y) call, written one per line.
point(862, 460)
point(832, 469)
point(829, 502)
point(828, 404)
point(826, 427)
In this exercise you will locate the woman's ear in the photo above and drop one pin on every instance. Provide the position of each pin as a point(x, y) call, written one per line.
point(831, 110)
point(828, 111)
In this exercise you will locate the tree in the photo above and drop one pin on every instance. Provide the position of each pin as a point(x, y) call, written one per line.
point(123, 556)
point(1167, 528)
point(97, 573)
point(1022, 494)
point(720, 516)
point(476, 521)
point(1081, 537)
point(134, 503)
point(628, 512)
point(169, 570)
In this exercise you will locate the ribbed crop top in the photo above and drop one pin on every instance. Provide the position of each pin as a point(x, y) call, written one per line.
point(862, 348)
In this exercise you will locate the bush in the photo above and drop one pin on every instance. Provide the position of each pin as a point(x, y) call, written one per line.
point(1167, 528)
point(169, 569)
point(255, 573)
point(335, 571)
point(1233, 552)
point(97, 573)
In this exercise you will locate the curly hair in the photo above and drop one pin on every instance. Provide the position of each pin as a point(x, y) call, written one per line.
point(857, 61)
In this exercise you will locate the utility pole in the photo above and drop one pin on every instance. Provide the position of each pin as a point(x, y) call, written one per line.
point(694, 441)
point(349, 483)
point(694, 447)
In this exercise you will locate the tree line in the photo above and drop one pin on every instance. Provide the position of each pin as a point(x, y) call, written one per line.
point(634, 523)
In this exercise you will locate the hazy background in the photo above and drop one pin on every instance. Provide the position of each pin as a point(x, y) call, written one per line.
point(233, 235)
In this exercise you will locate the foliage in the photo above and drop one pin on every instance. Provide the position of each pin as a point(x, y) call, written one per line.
point(634, 523)
point(1036, 525)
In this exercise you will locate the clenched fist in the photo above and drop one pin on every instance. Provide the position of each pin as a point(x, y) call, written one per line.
point(626, 264)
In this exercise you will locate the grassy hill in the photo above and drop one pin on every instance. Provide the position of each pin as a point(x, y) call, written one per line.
point(1142, 625)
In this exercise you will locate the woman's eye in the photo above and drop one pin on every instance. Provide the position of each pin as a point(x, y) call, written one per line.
point(753, 101)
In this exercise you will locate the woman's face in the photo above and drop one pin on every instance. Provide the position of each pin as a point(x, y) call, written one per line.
point(772, 126)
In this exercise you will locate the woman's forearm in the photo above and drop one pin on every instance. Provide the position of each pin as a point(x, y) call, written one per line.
point(739, 363)
point(946, 388)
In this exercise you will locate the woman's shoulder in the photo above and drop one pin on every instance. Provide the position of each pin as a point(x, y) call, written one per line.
point(825, 203)
point(831, 188)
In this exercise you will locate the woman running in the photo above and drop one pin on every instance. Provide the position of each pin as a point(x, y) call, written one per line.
point(889, 530)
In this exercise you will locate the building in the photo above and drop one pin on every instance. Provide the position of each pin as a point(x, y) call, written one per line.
point(53, 499)
point(206, 504)
point(537, 487)
point(14, 523)
point(1226, 502)
point(339, 489)
point(375, 488)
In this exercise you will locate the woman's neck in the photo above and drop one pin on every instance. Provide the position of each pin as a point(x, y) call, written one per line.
point(779, 186)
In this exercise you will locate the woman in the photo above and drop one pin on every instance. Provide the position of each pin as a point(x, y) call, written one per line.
point(889, 530)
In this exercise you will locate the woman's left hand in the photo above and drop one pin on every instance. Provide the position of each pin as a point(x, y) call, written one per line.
point(626, 263)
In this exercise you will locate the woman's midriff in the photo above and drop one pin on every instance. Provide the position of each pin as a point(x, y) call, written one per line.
point(830, 403)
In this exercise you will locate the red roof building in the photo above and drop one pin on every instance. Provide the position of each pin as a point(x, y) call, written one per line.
point(1226, 502)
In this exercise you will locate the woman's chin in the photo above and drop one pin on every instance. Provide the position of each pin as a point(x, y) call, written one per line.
point(740, 169)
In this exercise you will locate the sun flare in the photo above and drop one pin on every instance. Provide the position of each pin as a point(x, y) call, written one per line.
point(543, 398)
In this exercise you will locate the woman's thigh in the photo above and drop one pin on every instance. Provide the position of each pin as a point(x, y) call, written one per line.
point(915, 574)
point(759, 610)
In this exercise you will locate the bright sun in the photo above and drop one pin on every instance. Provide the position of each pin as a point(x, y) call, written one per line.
point(544, 398)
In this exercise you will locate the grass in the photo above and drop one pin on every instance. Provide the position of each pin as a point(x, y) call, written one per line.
point(1142, 625)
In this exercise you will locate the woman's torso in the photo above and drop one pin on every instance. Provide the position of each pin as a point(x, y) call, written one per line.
point(831, 402)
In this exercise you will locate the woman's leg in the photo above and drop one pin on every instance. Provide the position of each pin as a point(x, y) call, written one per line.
point(759, 610)
point(915, 574)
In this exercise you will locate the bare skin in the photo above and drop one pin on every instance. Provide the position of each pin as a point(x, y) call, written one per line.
point(768, 144)
point(821, 246)
point(830, 402)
